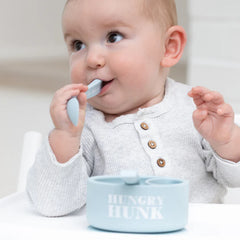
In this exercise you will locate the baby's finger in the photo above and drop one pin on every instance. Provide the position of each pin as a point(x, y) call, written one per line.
point(198, 100)
point(59, 102)
point(199, 116)
point(68, 87)
point(69, 91)
point(197, 94)
point(69, 94)
point(214, 97)
point(199, 91)
point(82, 98)
point(225, 110)
point(61, 97)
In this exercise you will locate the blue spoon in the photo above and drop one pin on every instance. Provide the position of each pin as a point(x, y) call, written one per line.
point(94, 88)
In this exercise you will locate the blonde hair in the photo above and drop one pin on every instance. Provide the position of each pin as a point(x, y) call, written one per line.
point(161, 11)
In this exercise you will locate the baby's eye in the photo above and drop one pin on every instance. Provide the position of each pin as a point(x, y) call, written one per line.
point(78, 45)
point(114, 37)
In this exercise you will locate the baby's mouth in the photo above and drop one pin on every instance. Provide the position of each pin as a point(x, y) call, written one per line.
point(105, 86)
point(104, 83)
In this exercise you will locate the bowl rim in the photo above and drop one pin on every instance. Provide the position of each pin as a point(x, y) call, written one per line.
point(146, 181)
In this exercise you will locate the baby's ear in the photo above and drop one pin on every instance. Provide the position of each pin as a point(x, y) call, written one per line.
point(174, 45)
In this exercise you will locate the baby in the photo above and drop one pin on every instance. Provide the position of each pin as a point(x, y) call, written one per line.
point(141, 119)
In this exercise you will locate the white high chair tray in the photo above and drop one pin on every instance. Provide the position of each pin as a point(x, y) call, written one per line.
point(19, 220)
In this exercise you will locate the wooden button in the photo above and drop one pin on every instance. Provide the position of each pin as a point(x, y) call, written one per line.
point(152, 144)
point(161, 162)
point(144, 126)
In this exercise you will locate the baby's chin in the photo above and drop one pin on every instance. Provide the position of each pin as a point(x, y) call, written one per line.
point(112, 113)
point(109, 111)
point(118, 109)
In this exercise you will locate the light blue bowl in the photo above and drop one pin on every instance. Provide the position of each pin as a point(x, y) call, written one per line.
point(151, 204)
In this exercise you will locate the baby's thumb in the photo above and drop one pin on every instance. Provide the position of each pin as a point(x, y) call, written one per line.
point(82, 107)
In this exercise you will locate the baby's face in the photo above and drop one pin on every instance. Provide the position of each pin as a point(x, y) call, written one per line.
point(113, 41)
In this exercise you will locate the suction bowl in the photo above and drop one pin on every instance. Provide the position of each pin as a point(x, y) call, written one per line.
point(152, 204)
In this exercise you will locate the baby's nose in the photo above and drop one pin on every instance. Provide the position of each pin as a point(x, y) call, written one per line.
point(96, 58)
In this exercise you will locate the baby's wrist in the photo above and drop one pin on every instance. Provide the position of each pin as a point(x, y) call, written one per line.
point(231, 149)
point(63, 144)
point(64, 135)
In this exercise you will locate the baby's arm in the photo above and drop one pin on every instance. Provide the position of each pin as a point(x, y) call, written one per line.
point(65, 137)
point(214, 120)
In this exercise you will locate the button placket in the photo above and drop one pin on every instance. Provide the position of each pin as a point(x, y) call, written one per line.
point(149, 138)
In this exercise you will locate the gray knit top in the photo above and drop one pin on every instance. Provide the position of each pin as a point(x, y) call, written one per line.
point(160, 140)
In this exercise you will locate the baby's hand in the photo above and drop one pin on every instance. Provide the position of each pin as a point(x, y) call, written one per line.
point(64, 139)
point(58, 108)
point(214, 119)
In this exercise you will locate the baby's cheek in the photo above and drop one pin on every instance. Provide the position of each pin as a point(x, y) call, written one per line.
point(76, 69)
point(76, 75)
point(122, 61)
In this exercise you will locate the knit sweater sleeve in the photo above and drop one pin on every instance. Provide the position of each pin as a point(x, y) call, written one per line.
point(226, 172)
point(57, 189)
